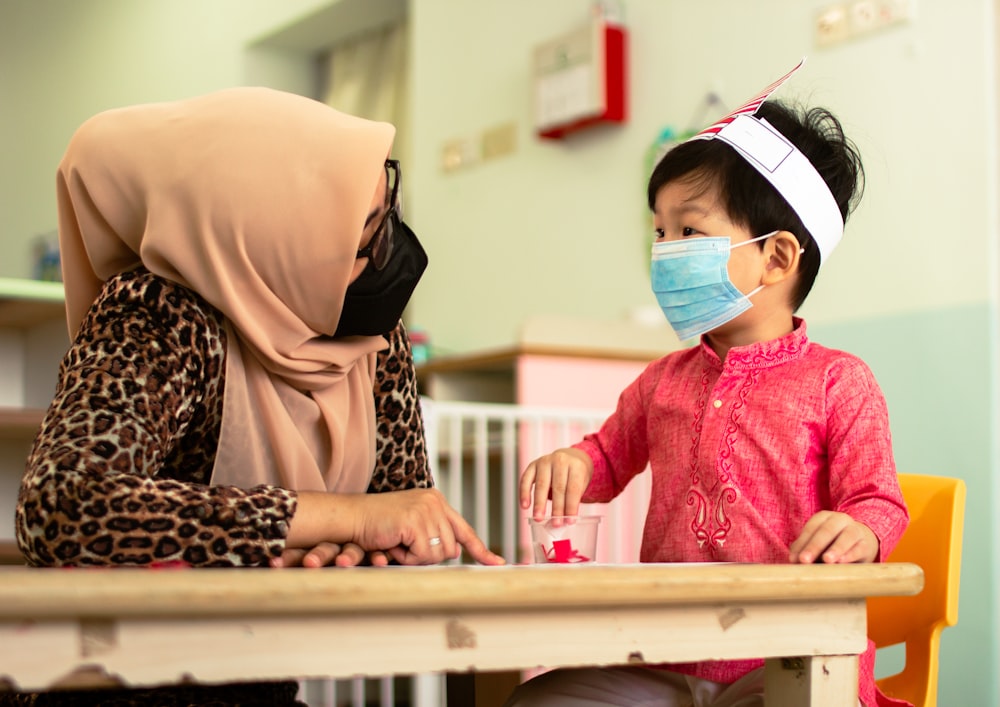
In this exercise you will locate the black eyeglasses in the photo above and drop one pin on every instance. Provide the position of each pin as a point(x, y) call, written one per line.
point(379, 248)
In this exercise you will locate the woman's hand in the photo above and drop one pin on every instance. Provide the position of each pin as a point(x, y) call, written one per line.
point(412, 527)
point(834, 537)
point(325, 554)
point(418, 527)
point(564, 474)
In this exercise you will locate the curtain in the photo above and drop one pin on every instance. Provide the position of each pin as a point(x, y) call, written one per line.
point(366, 76)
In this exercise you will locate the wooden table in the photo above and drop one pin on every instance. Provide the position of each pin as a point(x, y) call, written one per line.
point(62, 628)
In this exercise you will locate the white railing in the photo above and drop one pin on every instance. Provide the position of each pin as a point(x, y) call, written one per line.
point(476, 453)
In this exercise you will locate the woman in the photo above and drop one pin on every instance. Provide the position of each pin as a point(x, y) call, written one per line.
point(235, 268)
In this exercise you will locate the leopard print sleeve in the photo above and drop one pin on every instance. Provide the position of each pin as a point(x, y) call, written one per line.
point(119, 471)
point(400, 445)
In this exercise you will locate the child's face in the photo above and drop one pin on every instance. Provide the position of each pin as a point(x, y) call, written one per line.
point(683, 211)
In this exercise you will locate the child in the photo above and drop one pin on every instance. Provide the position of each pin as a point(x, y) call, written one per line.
point(763, 446)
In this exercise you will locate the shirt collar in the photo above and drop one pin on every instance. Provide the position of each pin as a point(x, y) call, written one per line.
point(763, 354)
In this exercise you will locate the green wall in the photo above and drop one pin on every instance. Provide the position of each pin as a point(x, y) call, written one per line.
point(937, 372)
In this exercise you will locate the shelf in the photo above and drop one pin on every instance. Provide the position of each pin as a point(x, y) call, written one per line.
point(9, 554)
point(20, 423)
point(21, 289)
point(504, 360)
point(24, 303)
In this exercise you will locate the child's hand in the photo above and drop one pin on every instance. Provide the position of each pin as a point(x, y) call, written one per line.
point(566, 473)
point(834, 538)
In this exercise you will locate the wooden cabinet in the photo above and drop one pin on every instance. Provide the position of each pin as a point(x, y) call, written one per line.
point(534, 375)
point(557, 361)
point(33, 340)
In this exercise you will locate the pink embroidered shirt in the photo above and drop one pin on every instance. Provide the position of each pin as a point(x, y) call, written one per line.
point(744, 451)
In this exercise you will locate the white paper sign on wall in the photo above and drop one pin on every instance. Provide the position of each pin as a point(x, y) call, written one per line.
point(580, 79)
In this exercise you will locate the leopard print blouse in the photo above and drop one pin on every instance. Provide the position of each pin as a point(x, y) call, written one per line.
point(119, 472)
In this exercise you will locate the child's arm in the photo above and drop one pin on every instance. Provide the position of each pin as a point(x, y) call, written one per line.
point(866, 515)
point(565, 473)
point(834, 538)
point(614, 454)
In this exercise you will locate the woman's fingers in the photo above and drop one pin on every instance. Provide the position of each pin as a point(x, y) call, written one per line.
point(442, 544)
point(467, 538)
point(410, 527)
point(351, 555)
point(290, 557)
point(319, 556)
point(430, 531)
point(322, 555)
point(429, 547)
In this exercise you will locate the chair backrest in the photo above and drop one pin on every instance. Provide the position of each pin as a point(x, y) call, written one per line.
point(933, 540)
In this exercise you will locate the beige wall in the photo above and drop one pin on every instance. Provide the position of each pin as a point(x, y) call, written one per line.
point(556, 228)
point(559, 228)
point(61, 61)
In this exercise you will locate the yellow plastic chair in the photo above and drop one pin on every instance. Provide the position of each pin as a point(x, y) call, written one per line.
point(933, 540)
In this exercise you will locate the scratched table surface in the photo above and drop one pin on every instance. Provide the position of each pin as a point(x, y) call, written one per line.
point(62, 628)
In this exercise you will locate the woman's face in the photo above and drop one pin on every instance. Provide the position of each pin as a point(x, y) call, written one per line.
point(376, 209)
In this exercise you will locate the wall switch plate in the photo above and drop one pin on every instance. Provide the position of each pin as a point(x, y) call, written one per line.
point(499, 141)
point(832, 26)
point(458, 154)
point(855, 18)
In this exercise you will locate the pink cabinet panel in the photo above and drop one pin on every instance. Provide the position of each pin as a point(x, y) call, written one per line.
point(591, 383)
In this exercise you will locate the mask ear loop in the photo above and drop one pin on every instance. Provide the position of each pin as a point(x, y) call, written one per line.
point(758, 238)
point(757, 289)
point(753, 240)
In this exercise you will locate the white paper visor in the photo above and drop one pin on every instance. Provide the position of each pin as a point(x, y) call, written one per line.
point(791, 173)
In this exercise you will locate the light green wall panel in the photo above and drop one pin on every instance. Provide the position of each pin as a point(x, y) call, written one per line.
point(937, 372)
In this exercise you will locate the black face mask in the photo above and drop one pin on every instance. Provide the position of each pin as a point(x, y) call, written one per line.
point(375, 301)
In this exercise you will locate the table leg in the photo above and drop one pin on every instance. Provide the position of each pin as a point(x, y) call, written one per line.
point(819, 681)
point(493, 688)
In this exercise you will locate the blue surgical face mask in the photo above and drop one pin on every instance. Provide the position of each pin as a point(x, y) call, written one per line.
point(691, 283)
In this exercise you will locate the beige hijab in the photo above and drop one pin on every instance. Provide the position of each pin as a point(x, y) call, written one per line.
point(255, 199)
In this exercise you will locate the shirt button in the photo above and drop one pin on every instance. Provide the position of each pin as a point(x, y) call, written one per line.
point(717, 404)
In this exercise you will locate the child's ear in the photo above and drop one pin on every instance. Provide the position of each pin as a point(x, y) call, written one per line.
point(782, 253)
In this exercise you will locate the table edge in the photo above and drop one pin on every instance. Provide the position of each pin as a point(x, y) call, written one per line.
point(31, 594)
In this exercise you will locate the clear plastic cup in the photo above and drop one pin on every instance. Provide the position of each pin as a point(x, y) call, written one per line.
point(564, 539)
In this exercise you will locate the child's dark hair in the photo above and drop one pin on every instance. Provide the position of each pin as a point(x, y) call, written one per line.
point(749, 199)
